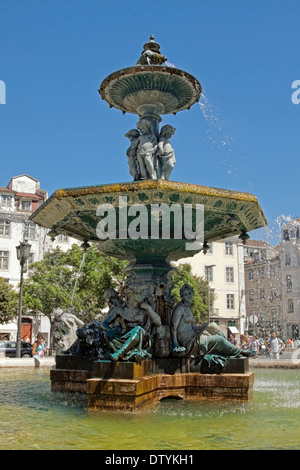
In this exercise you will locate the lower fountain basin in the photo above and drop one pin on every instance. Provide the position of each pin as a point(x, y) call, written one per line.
point(77, 212)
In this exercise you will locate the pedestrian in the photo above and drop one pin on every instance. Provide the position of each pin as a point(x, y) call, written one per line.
point(39, 346)
point(275, 346)
point(244, 343)
point(255, 346)
point(248, 338)
point(232, 339)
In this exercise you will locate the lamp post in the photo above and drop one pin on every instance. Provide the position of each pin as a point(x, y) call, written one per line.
point(23, 252)
point(208, 289)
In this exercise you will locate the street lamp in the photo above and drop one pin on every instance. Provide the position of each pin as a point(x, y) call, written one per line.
point(23, 252)
point(208, 289)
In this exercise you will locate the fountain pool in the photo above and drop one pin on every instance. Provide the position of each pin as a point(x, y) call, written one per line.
point(33, 417)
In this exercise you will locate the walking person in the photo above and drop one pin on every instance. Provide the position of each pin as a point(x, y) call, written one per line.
point(39, 347)
point(255, 346)
point(232, 340)
point(275, 346)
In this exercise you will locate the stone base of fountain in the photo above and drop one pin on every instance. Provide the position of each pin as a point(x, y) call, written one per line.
point(134, 394)
point(130, 386)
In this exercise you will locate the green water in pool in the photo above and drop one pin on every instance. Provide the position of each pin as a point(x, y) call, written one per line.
point(33, 417)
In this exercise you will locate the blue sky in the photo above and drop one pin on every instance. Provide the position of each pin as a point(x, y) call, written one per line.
point(244, 135)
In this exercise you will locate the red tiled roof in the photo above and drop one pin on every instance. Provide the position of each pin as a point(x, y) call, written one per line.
point(292, 221)
point(7, 190)
point(28, 195)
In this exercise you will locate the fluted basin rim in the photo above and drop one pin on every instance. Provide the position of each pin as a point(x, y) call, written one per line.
point(187, 81)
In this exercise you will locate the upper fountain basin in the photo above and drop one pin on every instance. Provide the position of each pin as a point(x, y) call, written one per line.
point(163, 89)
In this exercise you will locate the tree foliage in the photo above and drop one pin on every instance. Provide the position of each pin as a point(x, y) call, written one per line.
point(79, 279)
point(8, 302)
point(74, 279)
point(199, 307)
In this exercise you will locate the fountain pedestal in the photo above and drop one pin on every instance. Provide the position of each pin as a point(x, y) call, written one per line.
point(128, 386)
point(134, 394)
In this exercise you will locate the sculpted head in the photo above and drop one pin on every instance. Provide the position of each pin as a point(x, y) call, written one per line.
point(132, 134)
point(144, 126)
point(112, 297)
point(187, 293)
point(167, 131)
point(64, 330)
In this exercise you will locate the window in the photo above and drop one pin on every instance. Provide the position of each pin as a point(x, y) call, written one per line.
point(250, 275)
point(288, 258)
point(272, 271)
point(262, 317)
point(229, 248)
point(25, 205)
point(290, 306)
point(274, 317)
point(30, 260)
point(262, 293)
point(29, 230)
point(286, 235)
point(251, 295)
point(229, 274)
point(261, 273)
point(4, 260)
point(230, 301)
point(4, 228)
point(209, 273)
point(62, 238)
point(289, 282)
point(263, 255)
point(295, 331)
point(6, 201)
point(273, 294)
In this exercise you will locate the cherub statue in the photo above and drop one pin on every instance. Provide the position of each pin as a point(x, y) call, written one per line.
point(134, 167)
point(146, 151)
point(165, 153)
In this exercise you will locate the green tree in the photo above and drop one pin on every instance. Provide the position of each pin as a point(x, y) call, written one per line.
point(8, 301)
point(183, 275)
point(74, 279)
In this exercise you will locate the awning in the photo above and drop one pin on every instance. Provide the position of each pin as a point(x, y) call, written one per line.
point(233, 329)
point(8, 327)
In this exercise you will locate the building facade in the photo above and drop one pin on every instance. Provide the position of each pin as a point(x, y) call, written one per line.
point(289, 249)
point(272, 282)
point(263, 295)
point(222, 266)
point(18, 200)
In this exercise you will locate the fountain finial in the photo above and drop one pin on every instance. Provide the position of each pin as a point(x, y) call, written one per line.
point(151, 54)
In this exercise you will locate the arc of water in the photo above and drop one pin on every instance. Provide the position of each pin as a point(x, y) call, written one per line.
point(77, 277)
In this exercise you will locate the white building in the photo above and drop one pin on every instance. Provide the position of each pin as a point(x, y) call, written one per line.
point(18, 200)
point(223, 267)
